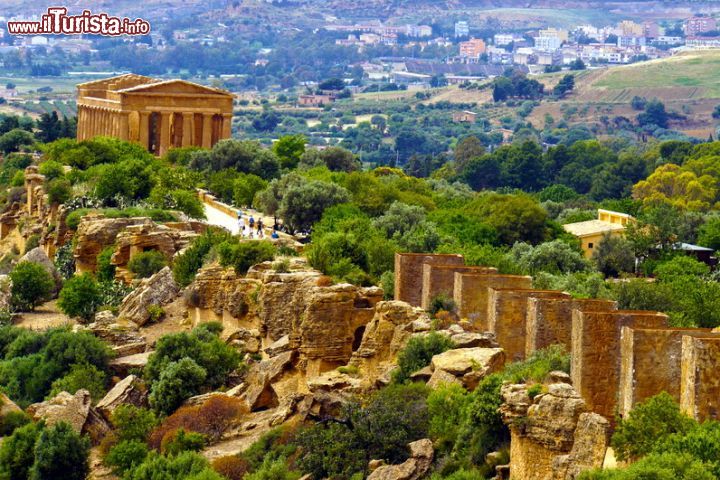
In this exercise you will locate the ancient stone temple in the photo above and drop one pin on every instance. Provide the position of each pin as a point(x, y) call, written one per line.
point(157, 114)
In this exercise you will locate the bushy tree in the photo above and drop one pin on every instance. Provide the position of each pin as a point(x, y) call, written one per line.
point(417, 354)
point(146, 264)
point(245, 187)
point(126, 455)
point(289, 149)
point(17, 452)
point(303, 204)
point(244, 255)
point(80, 297)
point(61, 453)
point(614, 256)
point(59, 191)
point(553, 257)
point(648, 424)
point(31, 286)
point(81, 376)
point(178, 381)
point(185, 466)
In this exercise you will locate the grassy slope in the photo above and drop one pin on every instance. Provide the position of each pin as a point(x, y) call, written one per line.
point(699, 69)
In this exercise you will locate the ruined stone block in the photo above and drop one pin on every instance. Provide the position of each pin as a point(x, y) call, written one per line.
point(549, 320)
point(471, 294)
point(700, 383)
point(440, 280)
point(409, 273)
point(595, 360)
point(507, 314)
point(650, 363)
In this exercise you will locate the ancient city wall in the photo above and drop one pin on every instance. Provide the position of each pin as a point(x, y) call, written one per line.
point(409, 273)
point(507, 314)
point(651, 363)
point(613, 369)
point(471, 294)
point(549, 320)
point(700, 384)
point(440, 280)
point(595, 359)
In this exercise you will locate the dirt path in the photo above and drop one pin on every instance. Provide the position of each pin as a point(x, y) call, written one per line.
point(47, 315)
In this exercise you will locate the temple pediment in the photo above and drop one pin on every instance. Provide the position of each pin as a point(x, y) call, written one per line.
point(119, 82)
point(170, 87)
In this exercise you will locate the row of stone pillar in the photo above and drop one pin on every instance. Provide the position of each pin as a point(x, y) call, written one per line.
point(93, 121)
point(173, 129)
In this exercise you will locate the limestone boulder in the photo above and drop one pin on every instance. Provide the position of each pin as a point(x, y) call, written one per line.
point(128, 391)
point(474, 339)
point(260, 393)
point(157, 290)
point(333, 381)
point(75, 410)
point(247, 340)
point(38, 255)
point(280, 345)
point(414, 468)
point(460, 361)
point(123, 366)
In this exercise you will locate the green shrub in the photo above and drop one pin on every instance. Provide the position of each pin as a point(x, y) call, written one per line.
point(146, 264)
point(203, 346)
point(105, 271)
point(667, 466)
point(126, 455)
point(392, 418)
point(647, 425)
point(17, 452)
point(156, 312)
point(282, 266)
point(182, 441)
point(133, 423)
point(33, 241)
point(80, 297)
point(185, 466)
point(273, 470)
point(442, 302)
point(417, 354)
point(446, 409)
point(537, 366)
point(81, 376)
point(59, 191)
point(186, 265)
point(245, 254)
point(31, 286)
point(178, 381)
point(65, 261)
point(61, 453)
point(12, 420)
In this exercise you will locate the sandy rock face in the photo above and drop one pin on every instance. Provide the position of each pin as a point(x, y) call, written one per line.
point(75, 410)
point(552, 435)
point(157, 290)
point(460, 361)
point(94, 233)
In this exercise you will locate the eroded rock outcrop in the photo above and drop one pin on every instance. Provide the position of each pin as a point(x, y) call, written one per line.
point(94, 233)
point(552, 435)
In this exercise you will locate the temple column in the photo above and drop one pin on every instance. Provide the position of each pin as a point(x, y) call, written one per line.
point(227, 125)
point(103, 122)
point(207, 130)
point(123, 125)
point(164, 133)
point(91, 123)
point(80, 125)
point(188, 130)
point(144, 129)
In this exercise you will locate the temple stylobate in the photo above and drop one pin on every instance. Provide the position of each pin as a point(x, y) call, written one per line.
point(157, 114)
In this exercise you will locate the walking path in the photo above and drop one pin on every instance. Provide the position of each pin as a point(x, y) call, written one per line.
point(223, 215)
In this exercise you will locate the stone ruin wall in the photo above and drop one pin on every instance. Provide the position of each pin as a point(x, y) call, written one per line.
point(618, 358)
point(440, 280)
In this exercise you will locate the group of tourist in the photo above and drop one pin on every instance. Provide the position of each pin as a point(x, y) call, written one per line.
point(254, 229)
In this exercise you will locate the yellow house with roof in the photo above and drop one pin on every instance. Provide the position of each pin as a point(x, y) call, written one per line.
point(591, 232)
